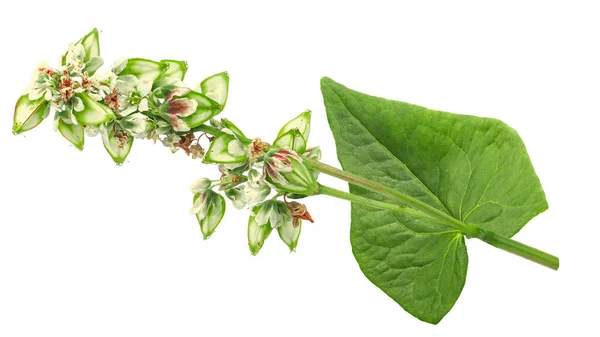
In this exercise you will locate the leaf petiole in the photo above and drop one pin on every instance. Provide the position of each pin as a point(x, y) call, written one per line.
point(425, 211)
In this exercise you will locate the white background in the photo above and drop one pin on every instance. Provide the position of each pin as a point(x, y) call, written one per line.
point(91, 249)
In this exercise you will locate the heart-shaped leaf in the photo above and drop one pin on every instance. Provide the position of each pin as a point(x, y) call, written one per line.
point(474, 169)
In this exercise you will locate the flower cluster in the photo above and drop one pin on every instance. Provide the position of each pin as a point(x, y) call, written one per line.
point(136, 98)
point(140, 98)
point(253, 170)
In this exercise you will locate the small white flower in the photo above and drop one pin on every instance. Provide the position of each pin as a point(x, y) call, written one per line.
point(135, 124)
point(237, 197)
point(133, 94)
point(255, 195)
point(200, 185)
point(273, 212)
point(104, 81)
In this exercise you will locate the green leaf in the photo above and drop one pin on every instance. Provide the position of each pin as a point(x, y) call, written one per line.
point(73, 133)
point(300, 122)
point(217, 88)
point(475, 169)
point(29, 114)
point(225, 149)
point(94, 112)
point(116, 143)
point(292, 139)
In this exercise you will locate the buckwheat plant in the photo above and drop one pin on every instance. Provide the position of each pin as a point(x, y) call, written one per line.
point(421, 181)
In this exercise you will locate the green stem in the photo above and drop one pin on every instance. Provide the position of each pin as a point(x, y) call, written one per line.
point(425, 210)
point(470, 231)
point(332, 192)
point(206, 128)
point(520, 249)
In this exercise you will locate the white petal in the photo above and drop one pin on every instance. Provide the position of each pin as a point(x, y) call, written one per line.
point(130, 109)
point(144, 87)
point(143, 106)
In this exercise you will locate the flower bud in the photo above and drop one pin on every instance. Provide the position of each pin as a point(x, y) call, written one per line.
point(186, 109)
point(209, 208)
point(136, 124)
point(301, 122)
point(313, 153)
point(200, 185)
point(230, 180)
point(226, 149)
point(285, 171)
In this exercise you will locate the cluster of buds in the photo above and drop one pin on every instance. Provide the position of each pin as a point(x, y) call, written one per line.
point(136, 98)
point(253, 170)
point(139, 98)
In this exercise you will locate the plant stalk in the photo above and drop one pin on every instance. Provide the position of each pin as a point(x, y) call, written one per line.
point(207, 129)
point(332, 192)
